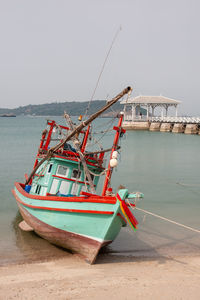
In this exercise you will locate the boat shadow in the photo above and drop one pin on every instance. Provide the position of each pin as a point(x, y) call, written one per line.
point(129, 247)
point(33, 248)
point(150, 245)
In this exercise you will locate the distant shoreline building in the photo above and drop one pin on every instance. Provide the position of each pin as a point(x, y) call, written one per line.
point(132, 107)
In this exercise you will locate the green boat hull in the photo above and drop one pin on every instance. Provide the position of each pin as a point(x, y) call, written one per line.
point(80, 224)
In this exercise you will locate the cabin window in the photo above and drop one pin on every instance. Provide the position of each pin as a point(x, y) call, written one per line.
point(62, 171)
point(74, 190)
point(64, 187)
point(54, 186)
point(76, 174)
point(50, 168)
point(38, 189)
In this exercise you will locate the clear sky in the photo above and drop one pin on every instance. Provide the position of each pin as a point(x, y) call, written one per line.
point(53, 50)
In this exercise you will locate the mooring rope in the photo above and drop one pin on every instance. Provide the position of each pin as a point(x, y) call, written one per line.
point(165, 219)
point(187, 184)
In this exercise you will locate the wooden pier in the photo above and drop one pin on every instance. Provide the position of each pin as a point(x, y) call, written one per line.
point(136, 119)
point(187, 125)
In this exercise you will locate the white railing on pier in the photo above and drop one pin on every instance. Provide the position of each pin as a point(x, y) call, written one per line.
point(136, 118)
point(188, 120)
point(185, 120)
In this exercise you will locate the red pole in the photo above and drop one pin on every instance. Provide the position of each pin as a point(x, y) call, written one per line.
point(114, 147)
point(85, 139)
point(40, 147)
point(49, 135)
point(43, 138)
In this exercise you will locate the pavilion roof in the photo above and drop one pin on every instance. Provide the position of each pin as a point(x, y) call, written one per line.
point(150, 100)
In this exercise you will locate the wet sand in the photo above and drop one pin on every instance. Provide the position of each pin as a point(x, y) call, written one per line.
point(112, 277)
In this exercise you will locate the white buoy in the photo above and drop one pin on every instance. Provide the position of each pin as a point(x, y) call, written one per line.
point(113, 162)
point(114, 154)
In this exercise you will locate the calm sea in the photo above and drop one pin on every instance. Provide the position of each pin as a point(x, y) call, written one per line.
point(164, 166)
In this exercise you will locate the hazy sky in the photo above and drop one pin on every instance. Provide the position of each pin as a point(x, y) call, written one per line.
point(53, 50)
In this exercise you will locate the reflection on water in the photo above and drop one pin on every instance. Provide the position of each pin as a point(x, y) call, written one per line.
point(30, 247)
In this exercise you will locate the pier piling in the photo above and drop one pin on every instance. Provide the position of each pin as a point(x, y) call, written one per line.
point(154, 126)
point(191, 129)
point(166, 127)
point(178, 128)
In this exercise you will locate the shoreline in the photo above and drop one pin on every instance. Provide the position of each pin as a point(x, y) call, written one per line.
point(112, 277)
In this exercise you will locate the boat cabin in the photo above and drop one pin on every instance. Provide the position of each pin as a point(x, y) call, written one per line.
point(61, 178)
point(63, 173)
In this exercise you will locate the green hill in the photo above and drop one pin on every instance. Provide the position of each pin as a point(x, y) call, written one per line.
point(56, 109)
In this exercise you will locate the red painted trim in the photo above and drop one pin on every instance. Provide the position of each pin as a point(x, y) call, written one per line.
point(85, 139)
point(38, 175)
point(40, 147)
point(118, 197)
point(119, 129)
point(129, 214)
point(119, 215)
point(44, 133)
point(70, 179)
point(94, 196)
point(62, 209)
point(88, 194)
point(64, 157)
point(106, 200)
point(75, 159)
point(49, 134)
point(64, 127)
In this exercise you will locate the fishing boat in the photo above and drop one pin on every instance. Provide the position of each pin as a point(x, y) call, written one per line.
point(59, 200)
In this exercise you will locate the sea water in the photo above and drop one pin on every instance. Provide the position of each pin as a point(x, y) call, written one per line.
point(163, 166)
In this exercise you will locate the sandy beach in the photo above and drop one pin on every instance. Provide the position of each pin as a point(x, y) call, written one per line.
point(112, 277)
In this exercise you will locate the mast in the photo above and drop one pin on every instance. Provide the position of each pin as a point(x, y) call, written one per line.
point(119, 130)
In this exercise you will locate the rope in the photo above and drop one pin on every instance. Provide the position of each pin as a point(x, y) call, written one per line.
point(102, 69)
point(105, 131)
point(168, 220)
point(186, 184)
point(100, 174)
point(91, 143)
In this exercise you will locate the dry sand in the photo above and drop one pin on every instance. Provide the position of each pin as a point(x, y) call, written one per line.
point(110, 278)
